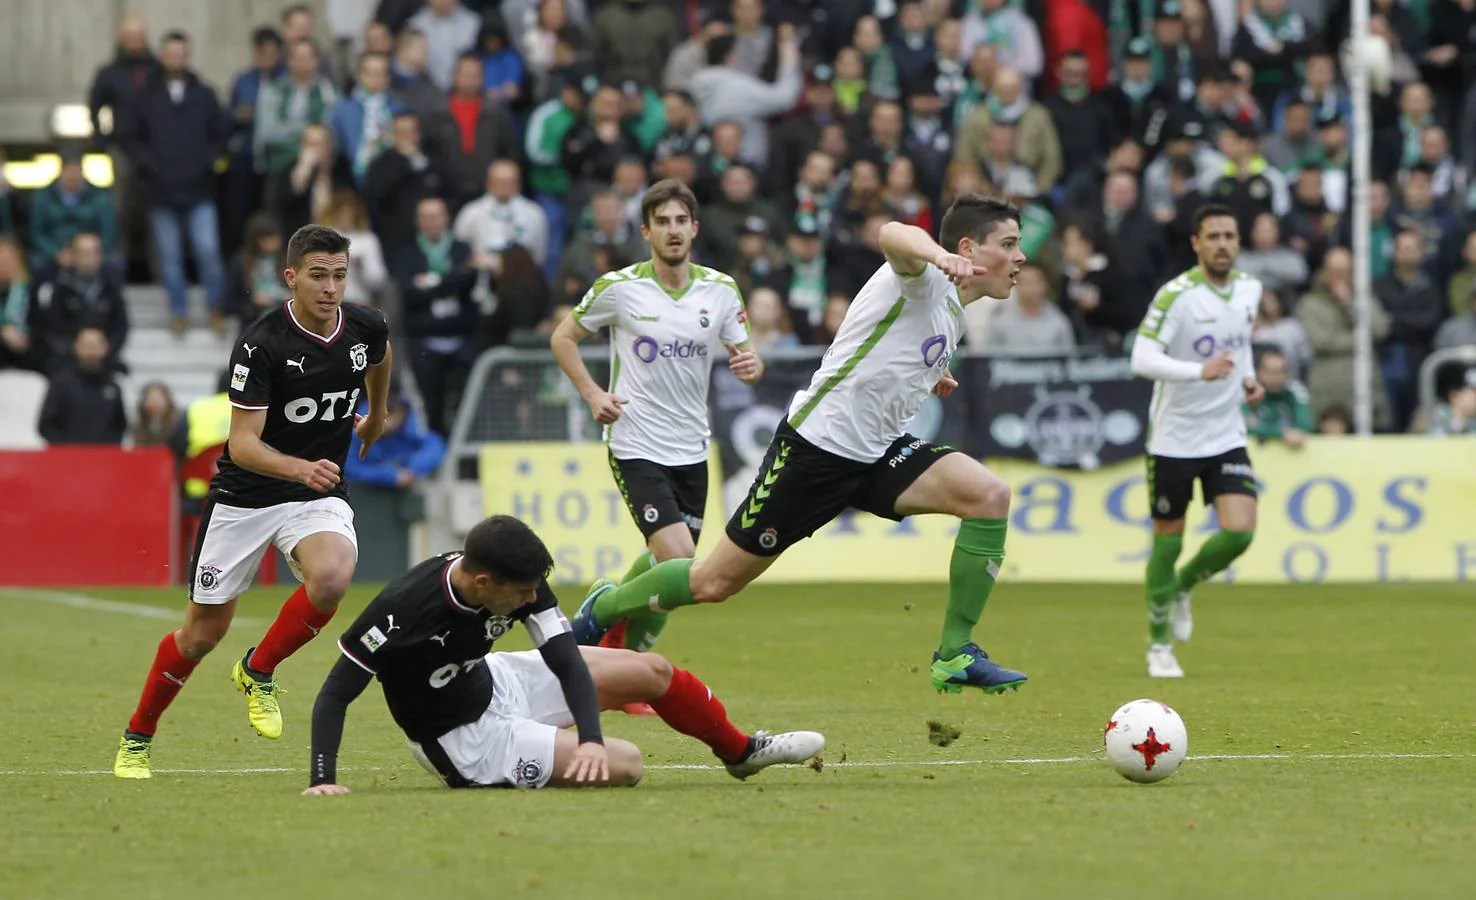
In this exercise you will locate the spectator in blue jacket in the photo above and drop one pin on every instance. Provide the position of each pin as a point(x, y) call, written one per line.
point(69, 205)
point(406, 453)
point(363, 122)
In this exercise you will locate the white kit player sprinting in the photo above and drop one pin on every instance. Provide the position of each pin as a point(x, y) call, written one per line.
point(669, 319)
point(1195, 343)
point(845, 444)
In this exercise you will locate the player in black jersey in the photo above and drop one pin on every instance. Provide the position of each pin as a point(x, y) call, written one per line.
point(296, 376)
point(481, 719)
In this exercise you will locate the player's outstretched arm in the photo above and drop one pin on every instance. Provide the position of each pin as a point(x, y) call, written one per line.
point(910, 250)
point(565, 345)
point(345, 682)
point(252, 454)
point(561, 654)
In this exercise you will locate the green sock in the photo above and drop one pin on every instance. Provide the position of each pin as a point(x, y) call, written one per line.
point(977, 552)
point(642, 563)
point(1215, 556)
point(642, 630)
point(1161, 584)
point(668, 583)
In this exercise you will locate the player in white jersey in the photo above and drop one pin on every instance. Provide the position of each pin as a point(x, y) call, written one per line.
point(669, 319)
point(1195, 343)
point(845, 443)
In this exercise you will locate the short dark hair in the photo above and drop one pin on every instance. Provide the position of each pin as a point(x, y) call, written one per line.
point(1211, 211)
point(174, 34)
point(266, 35)
point(507, 549)
point(314, 239)
point(664, 191)
point(718, 49)
point(974, 216)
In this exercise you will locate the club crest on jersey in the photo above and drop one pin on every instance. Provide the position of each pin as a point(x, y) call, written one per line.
point(497, 626)
point(649, 513)
point(702, 319)
point(528, 772)
point(208, 578)
point(359, 357)
point(769, 539)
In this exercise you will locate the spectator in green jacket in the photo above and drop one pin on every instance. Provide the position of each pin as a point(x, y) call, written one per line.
point(1284, 414)
point(66, 206)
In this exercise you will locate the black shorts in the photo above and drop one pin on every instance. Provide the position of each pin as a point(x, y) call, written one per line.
point(1171, 480)
point(658, 496)
point(800, 488)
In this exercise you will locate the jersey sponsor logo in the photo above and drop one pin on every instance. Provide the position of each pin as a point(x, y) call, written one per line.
point(373, 639)
point(359, 357)
point(297, 364)
point(208, 577)
point(248, 348)
point(935, 351)
point(1207, 345)
point(445, 674)
point(648, 350)
point(305, 409)
point(528, 772)
point(392, 626)
point(650, 513)
point(440, 638)
point(238, 377)
point(1241, 469)
point(901, 455)
point(497, 626)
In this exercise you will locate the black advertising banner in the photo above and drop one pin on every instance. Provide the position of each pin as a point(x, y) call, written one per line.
point(1063, 411)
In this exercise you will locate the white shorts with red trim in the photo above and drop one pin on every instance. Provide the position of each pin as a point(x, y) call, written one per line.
point(233, 539)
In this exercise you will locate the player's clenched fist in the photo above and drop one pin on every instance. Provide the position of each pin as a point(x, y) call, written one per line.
point(745, 364)
point(606, 407)
point(322, 476)
point(1217, 368)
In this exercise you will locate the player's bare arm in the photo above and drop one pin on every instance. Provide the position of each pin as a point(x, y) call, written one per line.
point(370, 426)
point(909, 250)
point(565, 345)
point(745, 363)
point(251, 453)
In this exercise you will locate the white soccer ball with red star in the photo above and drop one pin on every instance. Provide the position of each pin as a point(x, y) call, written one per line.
point(1146, 741)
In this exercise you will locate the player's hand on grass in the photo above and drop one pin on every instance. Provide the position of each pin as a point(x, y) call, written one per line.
point(369, 429)
point(322, 476)
point(1254, 392)
point(325, 790)
point(590, 765)
point(745, 364)
point(946, 385)
point(606, 406)
point(1219, 367)
point(958, 268)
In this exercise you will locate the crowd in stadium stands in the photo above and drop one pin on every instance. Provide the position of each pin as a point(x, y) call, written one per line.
point(488, 158)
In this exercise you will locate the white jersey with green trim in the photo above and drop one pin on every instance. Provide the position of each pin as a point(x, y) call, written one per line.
point(662, 347)
point(1194, 321)
point(892, 348)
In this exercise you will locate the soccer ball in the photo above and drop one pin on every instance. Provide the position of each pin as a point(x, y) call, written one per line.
point(1146, 741)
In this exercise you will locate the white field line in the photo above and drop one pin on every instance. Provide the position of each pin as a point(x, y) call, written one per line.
point(878, 764)
point(97, 604)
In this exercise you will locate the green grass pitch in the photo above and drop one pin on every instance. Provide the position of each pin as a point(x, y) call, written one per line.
point(1332, 754)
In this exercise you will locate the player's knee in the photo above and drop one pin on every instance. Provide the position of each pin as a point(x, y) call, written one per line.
point(988, 497)
point(626, 766)
point(327, 586)
point(196, 640)
point(659, 673)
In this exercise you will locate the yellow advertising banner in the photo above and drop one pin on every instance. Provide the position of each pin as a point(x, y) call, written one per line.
point(1338, 510)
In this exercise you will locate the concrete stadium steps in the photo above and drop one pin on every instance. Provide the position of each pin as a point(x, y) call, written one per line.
point(187, 363)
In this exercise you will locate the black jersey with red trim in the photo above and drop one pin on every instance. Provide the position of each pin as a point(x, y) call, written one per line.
point(428, 647)
point(309, 386)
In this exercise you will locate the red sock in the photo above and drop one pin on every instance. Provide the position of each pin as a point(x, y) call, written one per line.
point(166, 676)
point(689, 706)
point(297, 623)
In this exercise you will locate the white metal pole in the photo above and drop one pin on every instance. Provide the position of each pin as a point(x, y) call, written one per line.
point(1363, 356)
